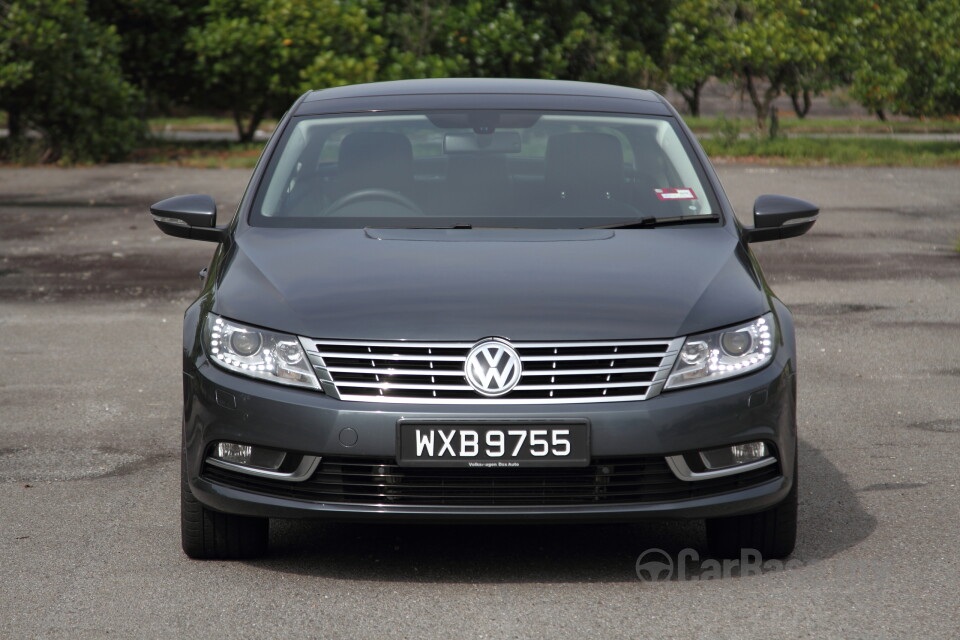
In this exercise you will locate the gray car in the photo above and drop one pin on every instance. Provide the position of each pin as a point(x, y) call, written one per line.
point(486, 301)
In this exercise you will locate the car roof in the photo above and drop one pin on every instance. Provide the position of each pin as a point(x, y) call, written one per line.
point(481, 93)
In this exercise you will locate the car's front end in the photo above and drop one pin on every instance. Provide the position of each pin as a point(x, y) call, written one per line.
point(635, 459)
point(536, 308)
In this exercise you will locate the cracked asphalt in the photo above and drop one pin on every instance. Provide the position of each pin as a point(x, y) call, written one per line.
point(91, 296)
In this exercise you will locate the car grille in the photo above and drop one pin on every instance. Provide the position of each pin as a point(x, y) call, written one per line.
point(433, 373)
point(382, 482)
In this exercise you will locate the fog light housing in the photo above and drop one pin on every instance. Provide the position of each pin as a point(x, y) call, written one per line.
point(233, 452)
point(288, 466)
point(735, 455)
point(248, 455)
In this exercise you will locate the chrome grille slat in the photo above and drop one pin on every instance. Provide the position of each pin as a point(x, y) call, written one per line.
point(399, 372)
point(432, 372)
point(392, 356)
point(527, 372)
point(590, 356)
point(401, 385)
point(457, 387)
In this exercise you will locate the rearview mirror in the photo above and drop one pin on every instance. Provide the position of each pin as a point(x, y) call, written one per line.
point(193, 216)
point(779, 217)
point(498, 142)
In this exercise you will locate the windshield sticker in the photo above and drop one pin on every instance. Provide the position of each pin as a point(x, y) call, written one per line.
point(675, 194)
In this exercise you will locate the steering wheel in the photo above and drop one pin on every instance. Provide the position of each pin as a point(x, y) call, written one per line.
point(373, 194)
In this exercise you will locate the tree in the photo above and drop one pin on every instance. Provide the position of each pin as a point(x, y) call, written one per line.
point(772, 43)
point(698, 46)
point(257, 56)
point(504, 40)
point(422, 40)
point(602, 41)
point(909, 61)
point(60, 76)
point(833, 63)
point(614, 41)
point(153, 51)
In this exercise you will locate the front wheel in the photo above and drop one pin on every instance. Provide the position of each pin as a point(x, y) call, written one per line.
point(211, 535)
point(772, 533)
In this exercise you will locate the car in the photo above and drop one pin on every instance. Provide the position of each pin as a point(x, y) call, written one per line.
point(486, 301)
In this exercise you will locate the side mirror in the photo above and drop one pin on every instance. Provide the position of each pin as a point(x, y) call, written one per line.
point(193, 216)
point(779, 217)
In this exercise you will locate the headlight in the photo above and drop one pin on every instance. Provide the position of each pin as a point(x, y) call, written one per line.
point(724, 354)
point(257, 353)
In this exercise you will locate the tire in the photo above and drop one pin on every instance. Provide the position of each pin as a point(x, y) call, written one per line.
point(773, 533)
point(211, 535)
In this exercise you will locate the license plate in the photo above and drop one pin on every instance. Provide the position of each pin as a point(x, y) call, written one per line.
point(494, 445)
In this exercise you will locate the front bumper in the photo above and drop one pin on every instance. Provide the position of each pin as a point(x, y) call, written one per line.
point(222, 406)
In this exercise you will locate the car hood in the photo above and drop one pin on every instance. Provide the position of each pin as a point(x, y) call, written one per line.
point(524, 284)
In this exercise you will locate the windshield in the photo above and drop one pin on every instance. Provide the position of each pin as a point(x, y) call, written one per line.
point(483, 168)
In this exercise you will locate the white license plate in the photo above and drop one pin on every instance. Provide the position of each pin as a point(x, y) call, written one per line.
point(494, 445)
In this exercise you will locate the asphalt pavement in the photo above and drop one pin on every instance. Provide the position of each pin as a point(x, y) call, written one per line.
point(91, 296)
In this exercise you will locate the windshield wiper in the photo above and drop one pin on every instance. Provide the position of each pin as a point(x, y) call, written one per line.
point(459, 225)
point(651, 222)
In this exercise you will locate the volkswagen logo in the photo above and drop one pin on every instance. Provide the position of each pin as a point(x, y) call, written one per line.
point(493, 367)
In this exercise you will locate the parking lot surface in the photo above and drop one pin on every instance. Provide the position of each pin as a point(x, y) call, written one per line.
point(91, 296)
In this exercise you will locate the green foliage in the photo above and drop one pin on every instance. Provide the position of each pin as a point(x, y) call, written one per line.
point(698, 46)
point(60, 77)
point(65, 64)
point(768, 46)
point(726, 131)
point(499, 40)
point(910, 58)
point(423, 40)
point(779, 42)
point(614, 41)
point(257, 56)
point(153, 46)
point(604, 41)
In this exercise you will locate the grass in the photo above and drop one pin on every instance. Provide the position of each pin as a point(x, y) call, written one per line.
point(202, 123)
point(867, 152)
point(797, 151)
point(793, 125)
point(788, 124)
point(724, 144)
point(200, 155)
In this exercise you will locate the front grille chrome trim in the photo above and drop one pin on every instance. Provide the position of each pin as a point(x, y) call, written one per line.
point(409, 372)
point(683, 472)
point(308, 465)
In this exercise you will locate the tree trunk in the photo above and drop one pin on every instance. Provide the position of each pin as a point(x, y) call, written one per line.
point(881, 114)
point(238, 123)
point(246, 133)
point(14, 123)
point(759, 106)
point(801, 109)
point(692, 98)
point(762, 103)
point(774, 122)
